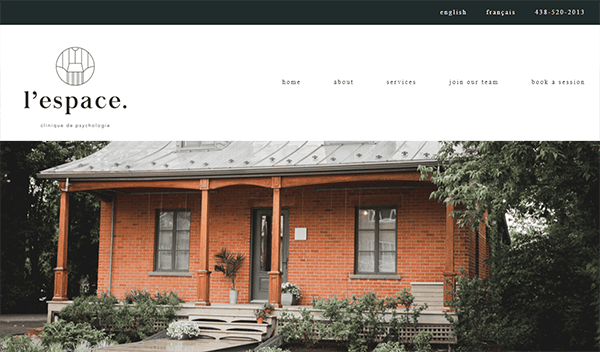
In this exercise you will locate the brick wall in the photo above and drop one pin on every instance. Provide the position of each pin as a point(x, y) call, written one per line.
point(321, 265)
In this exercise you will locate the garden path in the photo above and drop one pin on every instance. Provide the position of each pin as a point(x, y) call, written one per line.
point(17, 324)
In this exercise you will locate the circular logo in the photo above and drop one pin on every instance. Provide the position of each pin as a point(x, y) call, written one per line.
point(75, 66)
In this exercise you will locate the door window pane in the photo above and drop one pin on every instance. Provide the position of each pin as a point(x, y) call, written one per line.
point(265, 243)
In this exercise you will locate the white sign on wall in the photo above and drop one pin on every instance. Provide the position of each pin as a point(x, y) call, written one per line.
point(300, 234)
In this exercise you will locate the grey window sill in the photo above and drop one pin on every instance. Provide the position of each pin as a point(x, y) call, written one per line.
point(169, 273)
point(375, 277)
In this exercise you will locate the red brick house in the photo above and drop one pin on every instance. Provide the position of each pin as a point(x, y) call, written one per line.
point(352, 217)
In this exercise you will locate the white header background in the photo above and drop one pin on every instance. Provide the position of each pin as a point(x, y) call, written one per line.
point(225, 82)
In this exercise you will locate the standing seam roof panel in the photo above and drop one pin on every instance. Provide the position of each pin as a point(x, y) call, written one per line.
point(135, 159)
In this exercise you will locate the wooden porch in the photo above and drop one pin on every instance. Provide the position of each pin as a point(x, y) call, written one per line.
point(204, 187)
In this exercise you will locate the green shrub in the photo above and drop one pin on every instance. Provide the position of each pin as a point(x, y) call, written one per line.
point(20, 344)
point(420, 344)
point(364, 321)
point(97, 311)
point(547, 284)
point(105, 343)
point(126, 323)
point(161, 298)
point(410, 317)
point(83, 346)
point(55, 347)
point(421, 341)
point(69, 334)
point(139, 321)
point(390, 347)
point(298, 329)
point(167, 298)
point(135, 295)
point(474, 305)
point(271, 349)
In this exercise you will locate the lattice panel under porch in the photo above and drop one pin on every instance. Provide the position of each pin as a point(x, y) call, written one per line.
point(441, 333)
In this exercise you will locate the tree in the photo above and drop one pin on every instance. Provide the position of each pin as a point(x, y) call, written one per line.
point(29, 218)
point(547, 277)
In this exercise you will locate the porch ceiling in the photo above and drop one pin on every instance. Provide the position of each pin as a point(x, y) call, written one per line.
point(169, 160)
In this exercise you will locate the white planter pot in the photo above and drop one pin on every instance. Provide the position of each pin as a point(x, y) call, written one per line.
point(233, 296)
point(288, 299)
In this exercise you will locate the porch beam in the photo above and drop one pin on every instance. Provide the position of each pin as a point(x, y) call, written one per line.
point(203, 272)
point(297, 181)
point(275, 273)
point(97, 185)
point(266, 182)
point(61, 272)
point(449, 274)
point(217, 183)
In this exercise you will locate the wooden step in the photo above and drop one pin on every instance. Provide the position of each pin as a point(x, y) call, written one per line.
point(230, 319)
point(219, 318)
point(227, 325)
point(225, 310)
point(232, 322)
point(263, 328)
point(243, 335)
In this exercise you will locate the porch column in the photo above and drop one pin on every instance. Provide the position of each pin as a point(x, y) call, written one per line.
point(61, 271)
point(203, 272)
point(449, 273)
point(275, 273)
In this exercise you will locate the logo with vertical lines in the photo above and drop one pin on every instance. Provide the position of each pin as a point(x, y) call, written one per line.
point(75, 66)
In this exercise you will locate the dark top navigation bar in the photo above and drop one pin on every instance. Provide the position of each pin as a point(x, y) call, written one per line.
point(300, 12)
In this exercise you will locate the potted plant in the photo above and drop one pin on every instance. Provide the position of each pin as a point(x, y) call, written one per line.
point(183, 330)
point(229, 264)
point(268, 308)
point(290, 294)
point(260, 315)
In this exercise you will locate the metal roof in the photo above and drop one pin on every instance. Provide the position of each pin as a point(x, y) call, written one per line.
point(159, 160)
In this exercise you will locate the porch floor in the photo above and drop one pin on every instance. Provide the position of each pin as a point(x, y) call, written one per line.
point(428, 316)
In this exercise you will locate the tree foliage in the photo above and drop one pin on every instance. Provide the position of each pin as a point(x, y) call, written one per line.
point(545, 282)
point(29, 220)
